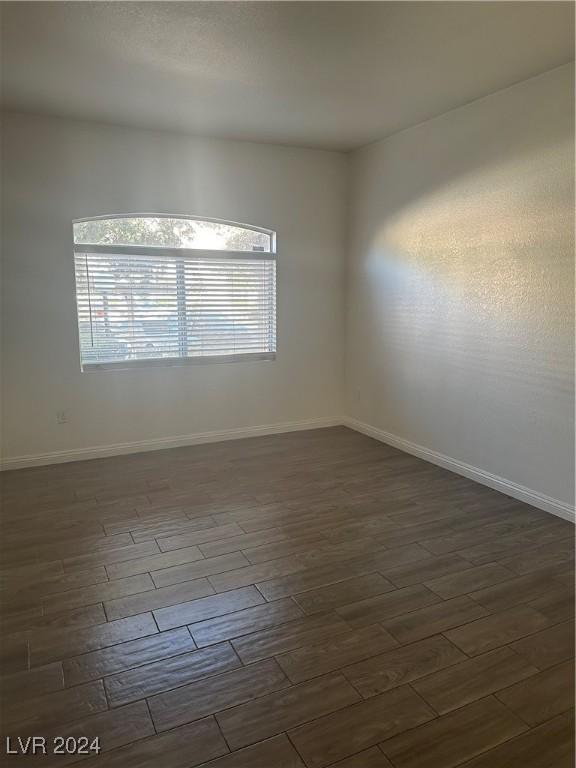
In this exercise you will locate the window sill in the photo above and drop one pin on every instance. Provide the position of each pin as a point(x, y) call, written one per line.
point(171, 362)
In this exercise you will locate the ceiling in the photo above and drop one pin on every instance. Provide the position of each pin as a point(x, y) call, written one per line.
point(325, 74)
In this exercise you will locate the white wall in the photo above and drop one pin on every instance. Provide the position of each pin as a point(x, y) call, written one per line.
point(58, 170)
point(460, 285)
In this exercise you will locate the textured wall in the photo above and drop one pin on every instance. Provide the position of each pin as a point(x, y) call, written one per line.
point(460, 285)
point(58, 170)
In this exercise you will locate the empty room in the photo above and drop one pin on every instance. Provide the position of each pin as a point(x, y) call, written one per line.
point(287, 384)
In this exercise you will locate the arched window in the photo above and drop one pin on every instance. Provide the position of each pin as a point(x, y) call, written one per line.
point(157, 289)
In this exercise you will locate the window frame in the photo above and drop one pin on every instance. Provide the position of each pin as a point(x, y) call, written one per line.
point(176, 253)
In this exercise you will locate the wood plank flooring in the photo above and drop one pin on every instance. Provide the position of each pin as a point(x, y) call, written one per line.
point(304, 600)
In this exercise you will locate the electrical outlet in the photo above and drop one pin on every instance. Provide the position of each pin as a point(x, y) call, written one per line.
point(62, 417)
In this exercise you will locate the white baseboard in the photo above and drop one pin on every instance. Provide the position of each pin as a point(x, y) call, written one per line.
point(159, 443)
point(520, 492)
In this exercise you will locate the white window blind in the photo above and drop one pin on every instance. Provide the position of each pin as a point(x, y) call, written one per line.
point(149, 304)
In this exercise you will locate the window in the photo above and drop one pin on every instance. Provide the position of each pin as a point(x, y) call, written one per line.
point(160, 289)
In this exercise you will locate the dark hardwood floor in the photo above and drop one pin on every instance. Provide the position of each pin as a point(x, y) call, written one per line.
point(310, 599)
